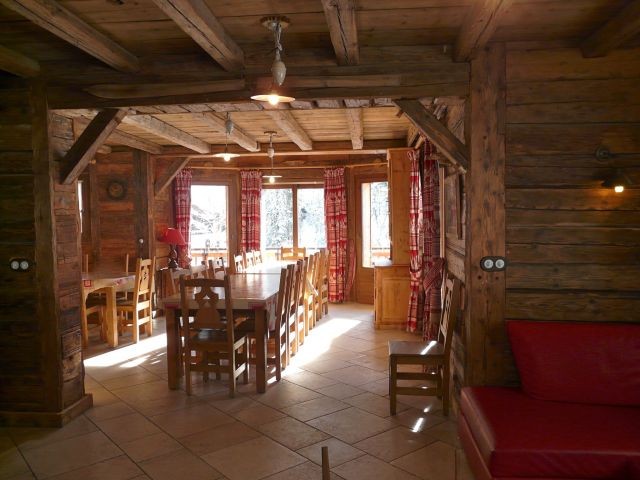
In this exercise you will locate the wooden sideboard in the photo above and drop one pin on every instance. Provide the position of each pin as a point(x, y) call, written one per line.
point(391, 296)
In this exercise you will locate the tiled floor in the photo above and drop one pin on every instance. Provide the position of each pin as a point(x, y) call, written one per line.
point(334, 394)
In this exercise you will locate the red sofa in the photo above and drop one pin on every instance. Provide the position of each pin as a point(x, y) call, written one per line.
point(576, 415)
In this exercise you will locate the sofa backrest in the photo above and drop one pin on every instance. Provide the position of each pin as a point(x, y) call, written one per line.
point(595, 363)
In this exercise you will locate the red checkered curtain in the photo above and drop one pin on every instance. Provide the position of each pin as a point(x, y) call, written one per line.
point(414, 317)
point(431, 261)
point(250, 191)
point(182, 212)
point(335, 215)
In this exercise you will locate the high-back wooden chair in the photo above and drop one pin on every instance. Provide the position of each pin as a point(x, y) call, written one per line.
point(324, 284)
point(310, 293)
point(249, 260)
point(257, 257)
point(318, 284)
point(211, 343)
point(433, 356)
point(215, 269)
point(301, 310)
point(292, 253)
point(279, 336)
point(137, 311)
point(238, 264)
point(295, 271)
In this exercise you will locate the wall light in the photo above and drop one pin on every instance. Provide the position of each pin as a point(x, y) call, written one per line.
point(618, 180)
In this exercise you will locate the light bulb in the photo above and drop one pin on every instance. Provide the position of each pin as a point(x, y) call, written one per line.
point(272, 179)
point(273, 99)
point(226, 157)
point(618, 188)
point(270, 152)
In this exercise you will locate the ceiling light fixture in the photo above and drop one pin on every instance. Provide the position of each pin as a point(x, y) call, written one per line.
point(618, 180)
point(278, 69)
point(228, 128)
point(271, 153)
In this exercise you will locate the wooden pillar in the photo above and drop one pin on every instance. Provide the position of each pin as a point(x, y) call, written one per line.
point(94, 213)
point(485, 330)
point(399, 203)
point(143, 203)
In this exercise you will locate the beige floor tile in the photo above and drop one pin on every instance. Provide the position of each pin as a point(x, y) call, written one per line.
point(323, 366)
point(256, 416)
point(218, 438)
point(353, 344)
point(229, 405)
point(27, 438)
point(292, 433)
point(310, 380)
point(372, 403)
point(188, 421)
point(337, 353)
point(369, 467)
point(70, 454)
point(11, 461)
point(351, 425)
point(286, 394)
point(380, 364)
point(436, 461)
point(179, 465)
point(340, 391)
point(170, 403)
point(315, 408)
point(102, 396)
point(304, 471)
point(356, 375)
point(117, 468)
point(379, 387)
point(144, 392)
point(339, 452)
point(463, 471)
point(380, 351)
point(394, 443)
point(417, 420)
point(150, 446)
point(254, 459)
point(428, 403)
point(447, 432)
point(106, 412)
point(127, 427)
point(138, 378)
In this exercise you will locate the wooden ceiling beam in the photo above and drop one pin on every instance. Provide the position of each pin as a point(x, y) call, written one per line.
point(624, 26)
point(197, 21)
point(356, 127)
point(478, 28)
point(435, 131)
point(237, 136)
point(123, 138)
point(341, 18)
point(16, 63)
point(285, 120)
point(86, 146)
point(169, 174)
point(171, 133)
point(53, 17)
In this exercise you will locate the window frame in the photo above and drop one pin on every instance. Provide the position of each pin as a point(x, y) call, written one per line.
point(229, 194)
point(360, 181)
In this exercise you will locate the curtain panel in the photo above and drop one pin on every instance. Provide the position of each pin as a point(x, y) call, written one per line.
point(250, 191)
point(414, 317)
point(182, 213)
point(431, 261)
point(335, 212)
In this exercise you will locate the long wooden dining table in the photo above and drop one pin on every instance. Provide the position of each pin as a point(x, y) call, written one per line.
point(253, 296)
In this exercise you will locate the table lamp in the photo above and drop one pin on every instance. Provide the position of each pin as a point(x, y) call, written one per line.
point(174, 238)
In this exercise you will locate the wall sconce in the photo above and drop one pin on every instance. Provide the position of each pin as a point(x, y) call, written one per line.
point(618, 180)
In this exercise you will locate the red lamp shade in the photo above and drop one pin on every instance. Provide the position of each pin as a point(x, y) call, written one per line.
point(173, 237)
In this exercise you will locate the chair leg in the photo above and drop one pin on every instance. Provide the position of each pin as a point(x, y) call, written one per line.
point(135, 327)
point(247, 354)
point(445, 391)
point(232, 373)
point(187, 371)
point(393, 383)
point(84, 326)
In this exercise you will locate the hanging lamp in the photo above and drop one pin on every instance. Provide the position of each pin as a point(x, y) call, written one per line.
point(271, 178)
point(228, 128)
point(274, 95)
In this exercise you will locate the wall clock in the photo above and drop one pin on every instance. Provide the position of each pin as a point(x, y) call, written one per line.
point(116, 190)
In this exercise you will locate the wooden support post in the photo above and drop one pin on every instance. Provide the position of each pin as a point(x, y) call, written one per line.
point(143, 204)
point(485, 330)
point(94, 213)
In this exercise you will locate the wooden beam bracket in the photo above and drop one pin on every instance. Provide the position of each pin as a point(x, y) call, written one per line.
point(167, 177)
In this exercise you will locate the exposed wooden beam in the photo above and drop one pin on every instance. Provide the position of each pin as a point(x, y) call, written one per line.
point(341, 18)
point(83, 150)
point(164, 130)
point(122, 138)
point(291, 128)
point(128, 90)
point(79, 127)
point(435, 131)
point(16, 63)
point(478, 28)
point(169, 174)
point(53, 17)
point(356, 127)
point(238, 135)
point(197, 21)
point(618, 30)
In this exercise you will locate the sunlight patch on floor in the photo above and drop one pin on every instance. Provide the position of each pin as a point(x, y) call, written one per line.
point(131, 355)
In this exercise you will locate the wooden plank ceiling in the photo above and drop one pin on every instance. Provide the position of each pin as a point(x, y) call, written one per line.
point(180, 65)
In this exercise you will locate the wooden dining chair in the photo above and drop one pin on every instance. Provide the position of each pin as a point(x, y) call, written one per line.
point(249, 259)
point(324, 286)
point(301, 309)
point(433, 356)
point(295, 271)
point(215, 269)
point(92, 308)
point(212, 343)
point(238, 264)
point(137, 311)
point(310, 293)
point(318, 282)
point(292, 253)
point(257, 257)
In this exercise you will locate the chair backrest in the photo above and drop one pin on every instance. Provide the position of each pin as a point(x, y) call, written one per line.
point(291, 253)
point(319, 271)
point(145, 281)
point(249, 259)
point(281, 317)
point(290, 290)
point(450, 306)
point(257, 257)
point(312, 265)
point(301, 281)
point(238, 263)
point(215, 267)
point(326, 253)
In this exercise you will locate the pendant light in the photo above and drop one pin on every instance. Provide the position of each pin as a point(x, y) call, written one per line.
point(278, 69)
point(228, 128)
point(271, 153)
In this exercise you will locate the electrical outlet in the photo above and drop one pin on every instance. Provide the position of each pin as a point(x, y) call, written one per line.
point(19, 264)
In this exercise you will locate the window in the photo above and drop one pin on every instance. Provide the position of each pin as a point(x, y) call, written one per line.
point(208, 221)
point(280, 228)
point(376, 244)
point(80, 205)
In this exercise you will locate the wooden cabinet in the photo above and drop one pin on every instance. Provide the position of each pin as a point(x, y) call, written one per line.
point(391, 296)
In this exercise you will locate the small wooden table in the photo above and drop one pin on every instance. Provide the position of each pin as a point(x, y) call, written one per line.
point(110, 283)
point(253, 296)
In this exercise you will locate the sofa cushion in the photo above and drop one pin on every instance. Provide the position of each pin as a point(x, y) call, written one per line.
point(578, 362)
point(519, 436)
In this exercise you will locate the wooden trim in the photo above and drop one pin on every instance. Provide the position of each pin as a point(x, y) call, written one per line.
point(356, 127)
point(130, 90)
point(294, 198)
point(164, 130)
point(478, 28)
point(53, 17)
point(169, 174)
point(618, 30)
point(291, 128)
point(446, 142)
point(341, 19)
point(197, 21)
point(123, 138)
point(18, 64)
point(238, 135)
point(84, 149)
